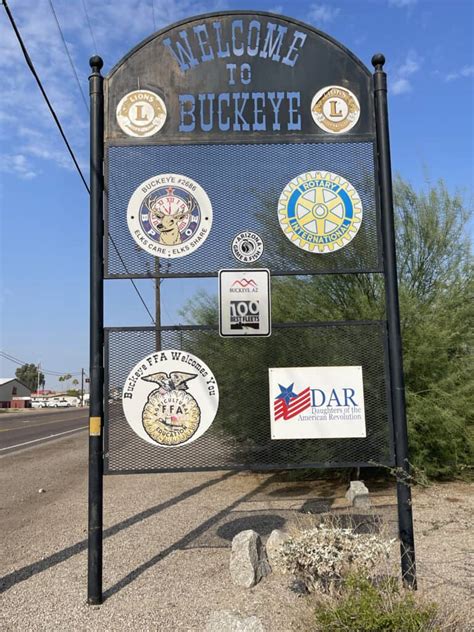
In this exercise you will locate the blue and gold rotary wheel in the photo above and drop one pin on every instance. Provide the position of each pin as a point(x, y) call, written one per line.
point(320, 211)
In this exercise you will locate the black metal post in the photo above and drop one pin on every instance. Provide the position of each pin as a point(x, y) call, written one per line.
point(96, 402)
point(405, 514)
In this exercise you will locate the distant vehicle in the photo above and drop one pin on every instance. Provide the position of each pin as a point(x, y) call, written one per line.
point(38, 404)
point(63, 403)
point(58, 403)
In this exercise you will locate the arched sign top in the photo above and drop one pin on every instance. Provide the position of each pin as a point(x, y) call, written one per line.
point(239, 77)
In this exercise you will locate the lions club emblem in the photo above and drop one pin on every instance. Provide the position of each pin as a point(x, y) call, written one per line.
point(169, 215)
point(320, 211)
point(170, 398)
point(335, 109)
point(141, 113)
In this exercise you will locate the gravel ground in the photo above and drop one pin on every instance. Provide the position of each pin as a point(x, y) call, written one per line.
point(167, 539)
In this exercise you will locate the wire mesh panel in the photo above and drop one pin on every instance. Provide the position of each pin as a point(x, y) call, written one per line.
point(239, 437)
point(244, 183)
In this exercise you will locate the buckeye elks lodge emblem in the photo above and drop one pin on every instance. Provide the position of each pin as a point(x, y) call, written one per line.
point(320, 211)
point(181, 403)
point(169, 215)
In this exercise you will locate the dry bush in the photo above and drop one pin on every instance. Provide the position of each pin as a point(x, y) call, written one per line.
point(323, 556)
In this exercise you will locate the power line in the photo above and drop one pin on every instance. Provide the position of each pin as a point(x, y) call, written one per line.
point(90, 25)
point(87, 108)
point(142, 300)
point(56, 120)
point(45, 96)
point(131, 280)
point(153, 13)
point(69, 55)
point(11, 358)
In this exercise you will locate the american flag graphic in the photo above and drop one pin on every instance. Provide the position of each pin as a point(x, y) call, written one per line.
point(297, 404)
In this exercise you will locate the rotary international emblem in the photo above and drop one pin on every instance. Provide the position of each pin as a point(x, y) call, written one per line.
point(169, 215)
point(335, 109)
point(320, 211)
point(141, 113)
point(180, 405)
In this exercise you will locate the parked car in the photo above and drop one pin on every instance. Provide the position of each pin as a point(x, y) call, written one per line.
point(63, 403)
point(58, 403)
point(38, 403)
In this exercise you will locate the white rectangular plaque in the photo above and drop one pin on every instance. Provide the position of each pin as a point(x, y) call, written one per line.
point(244, 302)
point(319, 402)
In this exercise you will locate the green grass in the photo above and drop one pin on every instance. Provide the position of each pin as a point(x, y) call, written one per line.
point(365, 607)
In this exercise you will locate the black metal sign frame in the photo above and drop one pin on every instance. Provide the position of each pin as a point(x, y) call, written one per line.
point(374, 125)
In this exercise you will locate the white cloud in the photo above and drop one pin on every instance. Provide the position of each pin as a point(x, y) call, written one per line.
point(18, 165)
point(466, 71)
point(25, 121)
point(401, 4)
point(401, 83)
point(322, 13)
point(277, 9)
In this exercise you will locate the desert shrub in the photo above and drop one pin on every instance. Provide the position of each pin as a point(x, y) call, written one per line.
point(323, 556)
point(363, 606)
point(436, 285)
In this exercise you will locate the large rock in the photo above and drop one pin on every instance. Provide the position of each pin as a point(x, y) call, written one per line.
point(275, 541)
point(229, 622)
point(358, 494)
point(248, 560)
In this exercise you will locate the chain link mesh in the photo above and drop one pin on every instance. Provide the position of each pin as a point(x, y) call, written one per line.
point(239, 438)
point(244, 183)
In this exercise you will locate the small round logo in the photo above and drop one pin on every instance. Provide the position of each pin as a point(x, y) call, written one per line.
point(247, 247)
point(169, 215)
point(141, 113)
point(170, 398)
point(335, 109)
point(319, 211)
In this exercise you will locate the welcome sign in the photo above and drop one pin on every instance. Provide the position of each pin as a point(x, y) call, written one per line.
point(317, 402)
point(235, 76)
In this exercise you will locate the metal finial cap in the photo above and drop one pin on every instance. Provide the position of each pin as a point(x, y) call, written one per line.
point(96, 63)
point(378, 60)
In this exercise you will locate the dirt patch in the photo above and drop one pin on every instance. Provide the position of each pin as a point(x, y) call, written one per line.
point(167, 539)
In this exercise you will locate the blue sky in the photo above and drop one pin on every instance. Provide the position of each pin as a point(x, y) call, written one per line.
point(44, 206)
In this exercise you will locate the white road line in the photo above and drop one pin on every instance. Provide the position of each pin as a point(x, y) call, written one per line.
point(58, 434)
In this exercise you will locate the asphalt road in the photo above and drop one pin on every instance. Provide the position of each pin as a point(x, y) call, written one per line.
point(25, 429)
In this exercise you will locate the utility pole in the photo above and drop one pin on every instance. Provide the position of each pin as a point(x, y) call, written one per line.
point(38, 377)
point(82, 387)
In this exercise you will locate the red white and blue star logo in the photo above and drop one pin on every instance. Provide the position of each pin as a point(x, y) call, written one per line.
point(288, 404)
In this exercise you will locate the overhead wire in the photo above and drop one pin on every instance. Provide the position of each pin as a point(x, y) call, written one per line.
point(43, 92)
point(66, 48)
point(90, 26)
point(15, 360)
point(153, 14)
point(58, 124)
point(109, 235)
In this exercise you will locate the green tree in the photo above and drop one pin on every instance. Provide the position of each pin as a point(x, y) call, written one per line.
point(28, 374)
point(65, 378)
point(436, 291)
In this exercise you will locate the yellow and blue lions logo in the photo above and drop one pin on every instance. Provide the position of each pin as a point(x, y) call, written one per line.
point(320, 211)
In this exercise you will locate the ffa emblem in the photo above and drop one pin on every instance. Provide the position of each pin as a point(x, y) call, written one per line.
point(141, 113)
point(319, 211)
point(335, 109)
point(181, 404)
point(247, 247)
point(169, 215)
